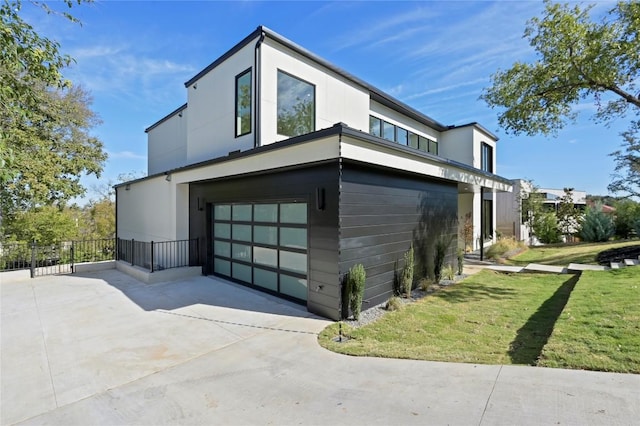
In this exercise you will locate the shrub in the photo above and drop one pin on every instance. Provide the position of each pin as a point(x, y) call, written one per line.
point(504, 247)
point(425, 284)
point(545, 228)
point(407, 272)
point(441, 247)
point(448, 273)
point(355, 288)
point(596, 225)
point(460, 261)
point(394, 304)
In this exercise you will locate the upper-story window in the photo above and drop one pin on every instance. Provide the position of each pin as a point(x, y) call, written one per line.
point(486, 157)
point(243, 103)
point(384, 129)
point(296, 105)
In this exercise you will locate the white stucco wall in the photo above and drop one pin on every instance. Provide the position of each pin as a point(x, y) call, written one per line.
point(167, 144)
point(211, 119)
point(457, 144)
point(337, 99)
point(153, 210)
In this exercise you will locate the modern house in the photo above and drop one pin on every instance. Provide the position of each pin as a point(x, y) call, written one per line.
point(289, 171)
point(510, 216)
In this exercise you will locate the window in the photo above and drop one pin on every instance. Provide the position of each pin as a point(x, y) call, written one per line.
point(388, 131)
point(413, 140)
point(487, 215)
point(401, 136)
point(296, 105)
point(433, 147)
point(243, 103)
point(486, 158)
point(375, 126)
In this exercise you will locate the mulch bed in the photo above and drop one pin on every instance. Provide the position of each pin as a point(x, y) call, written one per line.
point(618, 254)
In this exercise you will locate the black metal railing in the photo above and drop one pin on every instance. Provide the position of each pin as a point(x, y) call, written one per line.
point(47, 259)
point(159, 255)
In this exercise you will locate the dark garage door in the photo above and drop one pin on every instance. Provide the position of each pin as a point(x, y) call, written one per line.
point(263, 245)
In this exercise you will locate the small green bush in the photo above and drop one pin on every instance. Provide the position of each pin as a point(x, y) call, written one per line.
point(441, 248)
point(425, 284)
point(355, 286)
point(394, 304)
point(407, 272)
point(545, 228)
point(596, 225)
point(448, 273)
point(460, 261)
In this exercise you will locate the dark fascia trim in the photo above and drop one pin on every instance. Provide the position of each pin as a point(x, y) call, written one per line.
point(376, 94)
point(165, 118)
point(257, 32)
point(335, 130)
point(477, 126)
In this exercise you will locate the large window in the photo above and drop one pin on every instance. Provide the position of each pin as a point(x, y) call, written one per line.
point(243, 103)
point(296, 105)
point(486, 158)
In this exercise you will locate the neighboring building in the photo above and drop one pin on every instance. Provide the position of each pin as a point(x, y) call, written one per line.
point(289, 171)
point(510, 217)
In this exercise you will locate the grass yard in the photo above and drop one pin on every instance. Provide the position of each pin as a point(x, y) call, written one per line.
point(563, 254)
point(494, 318)
point(488, 318)
point(599, 328)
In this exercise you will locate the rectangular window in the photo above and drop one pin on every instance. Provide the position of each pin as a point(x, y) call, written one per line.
point(243, 103)
point(388, 131)
point(433, 147)
point(296, 105)
point(413, 140)
point(487, 215)
point(423, 144)
point(486, 155)
point(402, 136)
point(375, 126)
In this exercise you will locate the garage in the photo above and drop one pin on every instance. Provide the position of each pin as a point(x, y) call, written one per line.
point(263, 245)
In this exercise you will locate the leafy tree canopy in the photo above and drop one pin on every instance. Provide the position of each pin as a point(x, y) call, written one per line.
point(577, 59)
point(45, 144)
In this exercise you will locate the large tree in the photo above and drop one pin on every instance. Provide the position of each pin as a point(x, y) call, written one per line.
point(578, 59)
point(45, 123)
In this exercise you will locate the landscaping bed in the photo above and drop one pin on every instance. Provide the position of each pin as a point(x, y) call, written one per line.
point(618, 254)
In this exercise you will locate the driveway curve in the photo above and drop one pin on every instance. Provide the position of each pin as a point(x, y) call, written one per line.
point(103, 348)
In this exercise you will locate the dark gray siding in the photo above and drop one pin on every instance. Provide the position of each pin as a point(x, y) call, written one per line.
point(381, 213)
point(323, 278)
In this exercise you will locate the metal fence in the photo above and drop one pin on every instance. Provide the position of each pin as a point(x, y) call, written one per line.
point(54, 258)
point(159, 255)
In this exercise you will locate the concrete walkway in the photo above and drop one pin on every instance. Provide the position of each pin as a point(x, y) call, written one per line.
point(105, 349)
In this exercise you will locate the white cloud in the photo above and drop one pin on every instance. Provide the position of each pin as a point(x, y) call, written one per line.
point(126, 155)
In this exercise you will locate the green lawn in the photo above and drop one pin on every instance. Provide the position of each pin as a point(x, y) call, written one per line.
point(599, 328)
point(563, 254)
point(497, 318)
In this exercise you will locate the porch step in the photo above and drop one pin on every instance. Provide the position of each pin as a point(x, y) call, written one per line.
point(631, 262)
point(578, 267)
point(617, 265)
point(536, 267)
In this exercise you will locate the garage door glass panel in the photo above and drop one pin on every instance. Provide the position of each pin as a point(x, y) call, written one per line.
point(222, 230)
point(241, 272)
point(293, 213)
point(222, 212)
point(292, 286)
point(221, 248)
point(293, 237)
point(265, 235)
point(265, 256)
point(294, 262)
point(241, 212)
point(222, 266)
point(241, 251)
point(266, 279)
point(242, 232)
point(265, 212)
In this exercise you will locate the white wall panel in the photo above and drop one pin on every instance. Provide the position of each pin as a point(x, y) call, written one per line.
point(167, 144)
point(394, 117)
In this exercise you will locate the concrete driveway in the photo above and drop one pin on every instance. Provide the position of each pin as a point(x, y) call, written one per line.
point(105, 349)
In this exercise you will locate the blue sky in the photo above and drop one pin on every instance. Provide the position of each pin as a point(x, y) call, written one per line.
point(134, 57)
